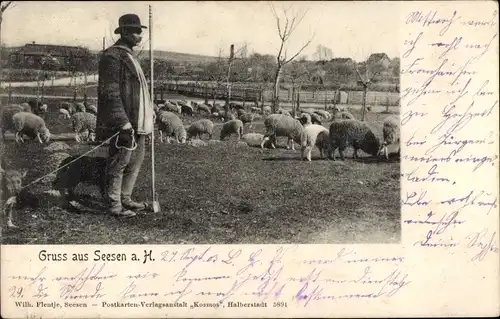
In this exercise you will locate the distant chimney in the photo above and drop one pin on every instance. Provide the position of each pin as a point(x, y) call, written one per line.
point(33, 42)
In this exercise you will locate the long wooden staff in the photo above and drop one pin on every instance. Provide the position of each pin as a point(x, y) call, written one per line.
point(156, 204)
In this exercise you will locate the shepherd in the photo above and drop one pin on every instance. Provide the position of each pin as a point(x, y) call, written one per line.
point(124, 107)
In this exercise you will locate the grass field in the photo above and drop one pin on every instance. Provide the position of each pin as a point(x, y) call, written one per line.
point(219, 194)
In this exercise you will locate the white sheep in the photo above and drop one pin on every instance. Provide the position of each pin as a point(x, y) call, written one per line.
point(229, 116)
point(315, 118)
point(204, 108)
point(255, 109)
point(343, 115)
point(353, 133)
point(92, 109)
point(305, 119)
point(26, 107)
point(80, 107)
point(171, 125)
point(391, 132)
point(83, 121)
point(315, 135)
point(325, 114)
point(284, 112)
point(6, 114)
point(215, 109)
point(246, 117)
point(174, 103)
point(200, 127)
point(253, 139)
point(266, 110)
point(31, 125)
point(69, 107)
point(169, 107)
point(64, 114)
point(186, 109)
point(44, 108)
point(231, 127)
point(282, 125)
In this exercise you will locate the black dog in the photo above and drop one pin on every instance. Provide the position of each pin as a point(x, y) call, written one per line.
point(90, 170)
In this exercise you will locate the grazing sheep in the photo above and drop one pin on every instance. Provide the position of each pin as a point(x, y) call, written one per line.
point(315, 118)
point(179, 108)
point(169, 107)
point(253, 139)
point(353, 133)
point(69, 107)
point(310, 139)
point(194, 104)
point(26, 107)
point(80, 107)
point(391, 132)
point(37, 107)
point(171, 125)
point(11, 184)
point(31, 125)
point(236, 106)
point(92, 109)
point(7, 112)
point(217, 116)
point(344, 115)
point(231, 127)
point(198, 128)
point(282, 125)
point(83, 121)
point(284, 112)
point(204, 108)
point(324, 114)
point(246, 117)
point(256, 117)
point(229, 116)
point(255, 109)
point(215, 109)
point(266, 110)
point(305, 119)
point(64, 114)
point(186, 109)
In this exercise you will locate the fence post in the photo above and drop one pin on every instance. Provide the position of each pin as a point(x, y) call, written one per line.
point(10, 93)
point(387, 104)
point(43, 90)
point(298, 100)
point(326, 100)
point(262, 99)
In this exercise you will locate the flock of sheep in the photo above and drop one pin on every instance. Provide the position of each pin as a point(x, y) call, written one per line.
point(305, 129)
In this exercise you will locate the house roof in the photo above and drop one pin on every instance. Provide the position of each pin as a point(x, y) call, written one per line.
point(53, 50)
point(341, 60)
point(375, 57)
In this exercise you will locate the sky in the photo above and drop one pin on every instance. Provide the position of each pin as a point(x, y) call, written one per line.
point(350, 29)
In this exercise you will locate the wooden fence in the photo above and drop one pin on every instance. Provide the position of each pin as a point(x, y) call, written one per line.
point(389, 99)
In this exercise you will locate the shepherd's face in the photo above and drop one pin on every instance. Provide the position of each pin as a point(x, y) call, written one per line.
point(132, 36)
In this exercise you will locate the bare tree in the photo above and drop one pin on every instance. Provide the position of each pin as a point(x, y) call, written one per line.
point(286, 25)
point(366, 80)
point(3, 7)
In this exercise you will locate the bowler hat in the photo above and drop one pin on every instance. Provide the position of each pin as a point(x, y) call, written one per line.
point(129, 20)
